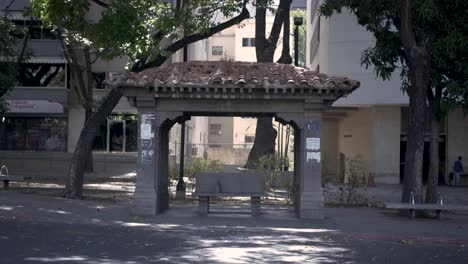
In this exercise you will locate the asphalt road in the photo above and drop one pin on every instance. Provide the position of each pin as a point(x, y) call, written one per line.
point(48, 230)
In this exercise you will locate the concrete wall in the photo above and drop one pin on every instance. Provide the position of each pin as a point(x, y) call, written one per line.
point(227, 129)
point(226, 39)
point(355, 135)
point(330, 164)
point(373, 135)
point(457, 139)
point(54, 165)
point(243, 127)
point(228, 155)
point(386, 144)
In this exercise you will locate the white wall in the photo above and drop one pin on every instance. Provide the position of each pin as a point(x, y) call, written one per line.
point(330, 150)
point(355, 135)
point(386, 145)
point(243, 127)
point(342, 41)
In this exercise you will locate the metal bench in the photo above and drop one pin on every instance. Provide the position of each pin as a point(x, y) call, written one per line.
point(6, 178)
point(437, 207)
point(226, 185)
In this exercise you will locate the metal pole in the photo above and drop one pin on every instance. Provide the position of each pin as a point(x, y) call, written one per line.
point(108, 135)
point(296, 45)
point(181, 183)
point(124, 139)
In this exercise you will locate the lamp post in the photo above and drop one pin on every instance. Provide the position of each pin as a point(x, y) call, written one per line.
point(180, 188)
point(297, 22)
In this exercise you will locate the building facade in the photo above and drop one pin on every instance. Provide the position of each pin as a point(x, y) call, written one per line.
point(371, 123)
point(40, 130)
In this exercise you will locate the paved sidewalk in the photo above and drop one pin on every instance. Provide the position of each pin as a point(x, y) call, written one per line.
point(44, 229)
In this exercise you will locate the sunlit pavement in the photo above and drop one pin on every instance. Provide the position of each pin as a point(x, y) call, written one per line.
point(41, 229)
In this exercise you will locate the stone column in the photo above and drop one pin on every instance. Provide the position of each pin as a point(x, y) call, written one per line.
point(145, 197)
point(310, 168)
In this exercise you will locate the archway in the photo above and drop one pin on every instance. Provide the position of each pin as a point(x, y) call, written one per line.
point(169, 94)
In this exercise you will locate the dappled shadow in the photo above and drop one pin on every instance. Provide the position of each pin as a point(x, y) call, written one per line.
point(137, 242)
point(35, 229)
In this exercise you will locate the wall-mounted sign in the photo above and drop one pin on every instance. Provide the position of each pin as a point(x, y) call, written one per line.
point(34, 106)
point(313, 144)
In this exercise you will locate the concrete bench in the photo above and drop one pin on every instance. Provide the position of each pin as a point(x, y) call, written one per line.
point(438, 208)
point(229, 185)
point(6, 177)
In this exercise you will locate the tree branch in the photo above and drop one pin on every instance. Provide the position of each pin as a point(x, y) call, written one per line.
point(260, 26)
point(100, 3)
point(175, 46)
point(407, 35)
point(283, 7)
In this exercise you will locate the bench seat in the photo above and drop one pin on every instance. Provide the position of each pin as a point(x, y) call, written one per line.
point(229, 185)
point(418, 206)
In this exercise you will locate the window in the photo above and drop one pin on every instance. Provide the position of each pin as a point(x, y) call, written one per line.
point(118, 134)
point(35, 29)
point(99, 79)
point(215, 129)
point(33, 133)
point(248, 42)
point(41, 75)
point(217, 50)
point(249, 139)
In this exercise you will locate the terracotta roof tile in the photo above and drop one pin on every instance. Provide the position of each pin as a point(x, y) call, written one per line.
point(228, 73)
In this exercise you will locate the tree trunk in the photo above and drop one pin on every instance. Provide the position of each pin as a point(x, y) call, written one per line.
point(88, 104)
point(286, 52)
point(418, 62)
point(415, 148)
point(265, 134)
point(74, 186)
point(264, 143)
point(89, 157)
point(432, 181)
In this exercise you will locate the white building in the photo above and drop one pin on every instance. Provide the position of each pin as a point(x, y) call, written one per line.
point(371, 122)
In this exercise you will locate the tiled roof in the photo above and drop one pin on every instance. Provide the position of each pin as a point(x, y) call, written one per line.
point(241, 74)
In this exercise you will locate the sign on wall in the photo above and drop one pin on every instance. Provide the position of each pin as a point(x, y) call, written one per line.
point(34, 106)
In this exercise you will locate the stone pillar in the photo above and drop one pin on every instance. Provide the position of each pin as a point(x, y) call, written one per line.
point(310, 168)
point(145, 197)
point(151, 194)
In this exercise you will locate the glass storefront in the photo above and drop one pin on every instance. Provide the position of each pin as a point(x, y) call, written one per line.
point(117, 134)
point(33, 133)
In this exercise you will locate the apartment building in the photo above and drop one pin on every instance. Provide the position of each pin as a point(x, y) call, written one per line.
point(371, 123)
point(40, 130)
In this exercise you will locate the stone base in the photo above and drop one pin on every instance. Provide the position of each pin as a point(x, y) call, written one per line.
point(203, 205)
point(144, 202)
point(180, 195)
point(311, 206)
point(255, 206)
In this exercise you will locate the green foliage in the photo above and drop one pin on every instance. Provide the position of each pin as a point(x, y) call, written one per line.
point(9, 59)
point(195, 166)
point(198, 165)
point(133, 28)
point(271, 166)
point(438, 25)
